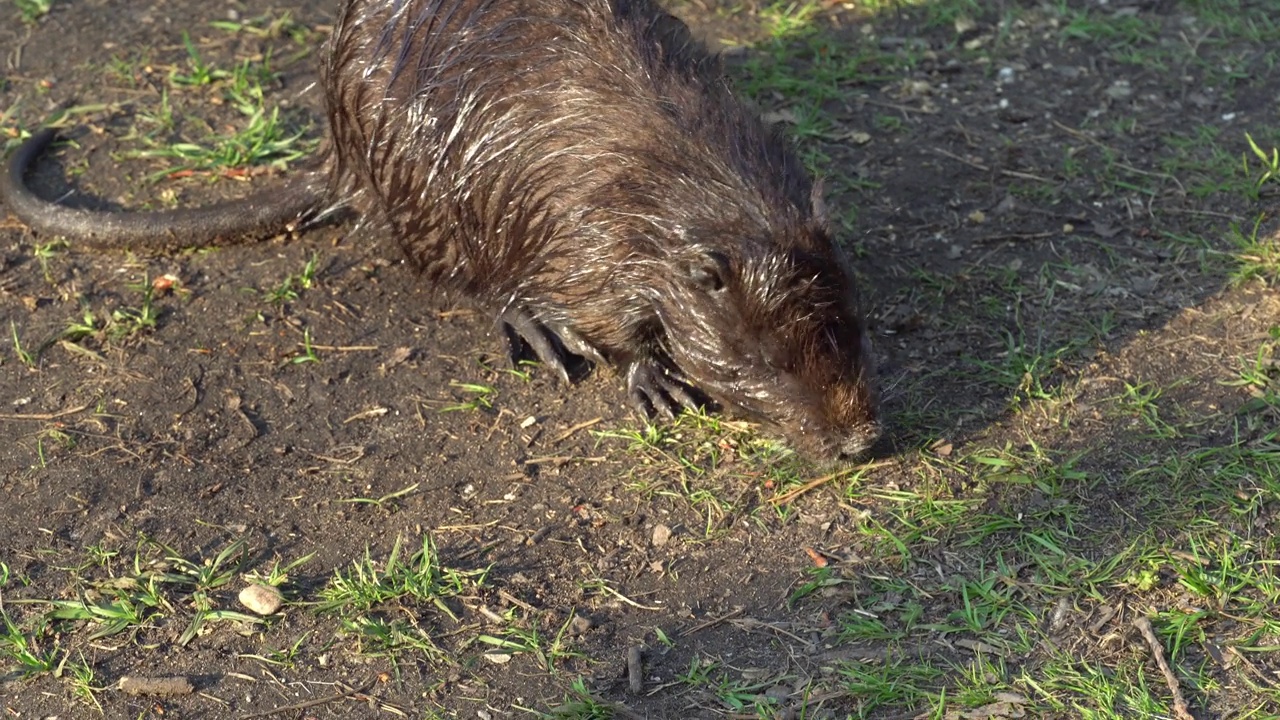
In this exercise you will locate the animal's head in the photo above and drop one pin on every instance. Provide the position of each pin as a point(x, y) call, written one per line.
point(768, 326)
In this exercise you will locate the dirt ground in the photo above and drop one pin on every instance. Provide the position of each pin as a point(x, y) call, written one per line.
point(1066, 248)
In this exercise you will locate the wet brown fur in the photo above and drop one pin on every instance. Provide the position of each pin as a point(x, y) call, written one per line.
point(588, 163)
point(585, 165)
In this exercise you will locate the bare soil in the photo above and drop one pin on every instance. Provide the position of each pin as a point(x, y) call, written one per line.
point(1004, 191)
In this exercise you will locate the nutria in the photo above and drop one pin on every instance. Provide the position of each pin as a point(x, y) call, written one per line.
point(584, 167)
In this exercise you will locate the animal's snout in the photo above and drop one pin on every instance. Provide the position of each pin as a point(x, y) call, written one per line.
point(860, 442)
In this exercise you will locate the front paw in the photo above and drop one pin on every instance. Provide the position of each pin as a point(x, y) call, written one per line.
point(656, 389)
point(557, 348)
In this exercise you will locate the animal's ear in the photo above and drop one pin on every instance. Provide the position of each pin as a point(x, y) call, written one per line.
point(709, 270)
point(818, 203)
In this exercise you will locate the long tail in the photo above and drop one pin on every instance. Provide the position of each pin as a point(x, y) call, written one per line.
point(260, 215)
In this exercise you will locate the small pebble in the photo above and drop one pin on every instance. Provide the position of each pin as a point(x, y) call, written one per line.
point(580, 624)
point(1119, 90)
point(661, 535)
point(261, 599)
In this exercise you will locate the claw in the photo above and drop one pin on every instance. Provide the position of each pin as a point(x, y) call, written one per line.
point(554, 347)
point(655, 389)
point(522, 331)
point(576, 345)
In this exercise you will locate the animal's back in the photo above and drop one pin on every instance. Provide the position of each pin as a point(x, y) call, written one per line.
point(497, 136)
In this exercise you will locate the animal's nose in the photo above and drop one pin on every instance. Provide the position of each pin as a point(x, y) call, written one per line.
point(859, 442)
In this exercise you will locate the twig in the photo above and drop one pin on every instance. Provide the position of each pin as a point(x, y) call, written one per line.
point(1028, 176)
point(215, 698)
point(340, 695)
point(605, 587)
point(635, 670)
point(625, 712)
point(574, 429)
point(42, 416)
point(1180, 710)
point(750, 624)
point(1206, 213)
point(984, 168)
point(558, 460)
point(1017, 236)
point(516, 601)
point(1137, 171)
point(466, 528)
point(1080, 134)
point(966, 161)
point(1253, 669)
point(709, 623)
point(167, 686)
point(494, 617)
point(896, 106)
point(786, 497)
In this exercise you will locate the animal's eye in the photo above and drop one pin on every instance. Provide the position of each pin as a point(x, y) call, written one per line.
point(709, 271)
